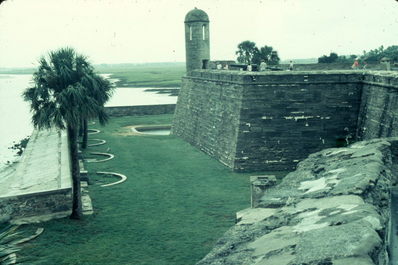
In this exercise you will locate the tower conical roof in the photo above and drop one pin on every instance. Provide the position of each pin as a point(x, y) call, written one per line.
point(196, 15)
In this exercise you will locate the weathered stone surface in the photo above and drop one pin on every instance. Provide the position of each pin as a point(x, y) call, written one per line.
point(378, 115)
point(207, 116)
point(334, 209)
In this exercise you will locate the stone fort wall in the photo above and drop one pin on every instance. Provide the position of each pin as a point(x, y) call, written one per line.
point(254, 121)
point(379, 106)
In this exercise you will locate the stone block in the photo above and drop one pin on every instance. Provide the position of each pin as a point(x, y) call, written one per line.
point(258, 185)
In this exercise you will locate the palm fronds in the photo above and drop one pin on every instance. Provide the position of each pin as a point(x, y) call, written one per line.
point(66, 90)
point(8, 247)
point(10, 243)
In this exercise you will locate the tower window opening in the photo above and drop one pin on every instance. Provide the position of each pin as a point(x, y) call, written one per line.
point(205, 64)
point(190, 33)
point(204, 32)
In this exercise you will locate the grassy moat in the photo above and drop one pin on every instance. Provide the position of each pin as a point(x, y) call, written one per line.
point(174, 206)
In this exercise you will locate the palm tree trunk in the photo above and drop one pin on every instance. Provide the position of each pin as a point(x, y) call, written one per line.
point(77, 199)
point(81, 129)
point(85, 134)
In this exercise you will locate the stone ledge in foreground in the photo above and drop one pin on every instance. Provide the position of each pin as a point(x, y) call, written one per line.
point(334, 209)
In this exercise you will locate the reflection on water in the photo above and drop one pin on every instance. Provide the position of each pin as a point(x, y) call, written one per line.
point(15, 123)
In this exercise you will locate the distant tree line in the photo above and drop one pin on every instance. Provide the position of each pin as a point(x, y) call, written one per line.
point(377, 54)
point(249, 53)
point(372, 56)
point(335, 58)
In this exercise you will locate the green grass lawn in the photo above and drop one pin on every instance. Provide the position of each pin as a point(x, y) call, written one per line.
point(176, 203)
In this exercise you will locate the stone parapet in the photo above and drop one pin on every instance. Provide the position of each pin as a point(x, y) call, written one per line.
point(277, 78)
point(334, 209)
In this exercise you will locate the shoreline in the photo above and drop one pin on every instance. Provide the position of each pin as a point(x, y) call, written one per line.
point(6, 168)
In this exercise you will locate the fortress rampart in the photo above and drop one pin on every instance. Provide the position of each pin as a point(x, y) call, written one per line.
point(257, 121)
point(334, 209)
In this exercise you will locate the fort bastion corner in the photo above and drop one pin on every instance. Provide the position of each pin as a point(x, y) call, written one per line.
point(259, 121)
point(335, 205)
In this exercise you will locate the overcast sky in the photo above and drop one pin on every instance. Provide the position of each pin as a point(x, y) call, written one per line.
point(135, 31)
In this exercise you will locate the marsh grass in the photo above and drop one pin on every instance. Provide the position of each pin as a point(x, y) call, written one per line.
point(147, 75)
point(150, 78)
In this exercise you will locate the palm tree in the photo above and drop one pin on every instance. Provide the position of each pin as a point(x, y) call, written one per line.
point(101, 90)
point(59, 98)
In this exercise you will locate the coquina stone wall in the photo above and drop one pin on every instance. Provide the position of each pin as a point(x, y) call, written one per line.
point(379, 106)
point(208, 114)
point(334, 209)
point(286, 117)
point(255, 121)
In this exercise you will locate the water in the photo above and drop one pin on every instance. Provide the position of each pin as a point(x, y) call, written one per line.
point(156, 131)
point(125, 96)
point(128, 96)
point(15, 117)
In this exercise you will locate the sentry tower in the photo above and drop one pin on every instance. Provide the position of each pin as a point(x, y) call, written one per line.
point(197, 43)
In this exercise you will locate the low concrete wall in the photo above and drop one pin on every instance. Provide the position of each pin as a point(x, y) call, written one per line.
point(334, 209)
point(40, 188)
point(36, 206)
point(140, 110)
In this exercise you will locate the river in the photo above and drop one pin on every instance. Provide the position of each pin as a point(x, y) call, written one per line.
point(15, 117)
